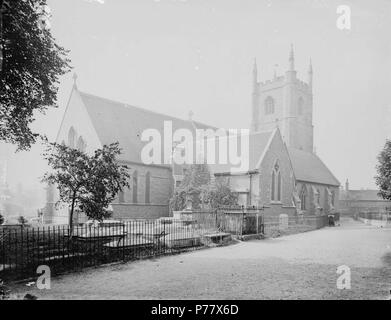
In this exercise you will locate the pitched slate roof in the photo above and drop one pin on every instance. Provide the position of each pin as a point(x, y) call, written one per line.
point(258, 144)
point(309, 168)
point(116, 121)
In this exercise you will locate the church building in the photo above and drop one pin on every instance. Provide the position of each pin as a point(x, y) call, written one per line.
point(284, 174)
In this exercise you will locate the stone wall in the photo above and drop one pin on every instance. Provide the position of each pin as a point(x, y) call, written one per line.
point(274, 210)
point(137, 211)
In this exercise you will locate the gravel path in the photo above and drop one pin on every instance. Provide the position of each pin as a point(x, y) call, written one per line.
point(301, 266)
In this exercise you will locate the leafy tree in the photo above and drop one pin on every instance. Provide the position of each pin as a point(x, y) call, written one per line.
point(31, 63)
point(69, 173)
point(22, 220)
point(196, 176)
point(106, 179)
point(87, 182)
point(383, 178)
point(178, 200)
point(219, 193)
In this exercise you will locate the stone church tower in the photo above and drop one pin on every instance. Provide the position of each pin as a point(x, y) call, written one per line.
point(286, 102)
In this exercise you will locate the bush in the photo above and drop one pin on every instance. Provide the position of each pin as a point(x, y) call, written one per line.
point(196, 177)
point(383, 178)
point(219, 193)
point(22, 220)
point(4, 291)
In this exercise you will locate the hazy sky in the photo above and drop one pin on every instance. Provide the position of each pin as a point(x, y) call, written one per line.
point(174, 56)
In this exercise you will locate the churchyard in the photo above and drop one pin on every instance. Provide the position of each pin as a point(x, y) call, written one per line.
point(65, 249)
point(300, 266)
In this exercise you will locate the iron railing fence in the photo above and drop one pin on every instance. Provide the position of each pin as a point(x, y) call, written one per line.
point(384, 215)
point(241, 221)
point(23, 250)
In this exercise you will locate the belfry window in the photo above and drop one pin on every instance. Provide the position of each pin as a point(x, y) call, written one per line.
point(276, 186)
point(269, 105)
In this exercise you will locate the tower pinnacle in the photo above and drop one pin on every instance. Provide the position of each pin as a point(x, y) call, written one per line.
point(255, 71)
point(310, 73)
point(291, 59)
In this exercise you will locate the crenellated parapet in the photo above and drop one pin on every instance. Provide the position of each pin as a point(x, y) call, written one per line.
point(285, 101)
point(304, 86)
point(278, 80)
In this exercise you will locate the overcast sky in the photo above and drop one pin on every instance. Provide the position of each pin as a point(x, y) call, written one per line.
point(174, 56)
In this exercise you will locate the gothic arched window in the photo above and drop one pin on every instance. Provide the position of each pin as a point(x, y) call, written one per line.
point(71, 137)
point(147, 187)
point(81, 145)
point(269, 105)
point(318, 197)
point(121, 197)
point(300, 106)
point(276, 186)
point(303, 197)
point(134, 187)
point(333, 198)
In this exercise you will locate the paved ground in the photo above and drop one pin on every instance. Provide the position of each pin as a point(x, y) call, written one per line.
point(301, 266)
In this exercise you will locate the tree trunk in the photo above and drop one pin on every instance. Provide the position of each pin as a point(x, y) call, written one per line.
point(1, 35)
point(71, 214)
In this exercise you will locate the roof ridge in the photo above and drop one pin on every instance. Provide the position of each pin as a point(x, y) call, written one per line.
point(302, 155)
point(326, 167)
point(122, 104)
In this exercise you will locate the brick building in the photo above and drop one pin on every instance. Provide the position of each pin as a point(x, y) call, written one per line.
point(89, 122)
point(362, 200)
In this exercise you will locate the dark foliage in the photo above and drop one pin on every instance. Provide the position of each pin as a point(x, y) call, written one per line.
point(196, 176)
point(31, 66)
point(383, 177)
